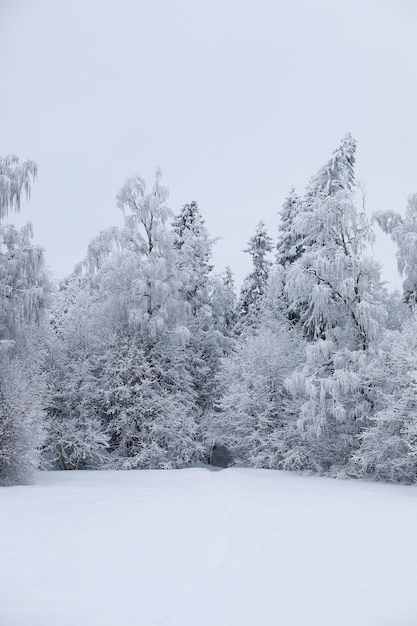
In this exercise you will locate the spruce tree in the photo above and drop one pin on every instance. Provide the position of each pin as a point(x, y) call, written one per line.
point(289, 245)
point(207, 316)
point(253, 288)
point(338, 293)
point(388, 448)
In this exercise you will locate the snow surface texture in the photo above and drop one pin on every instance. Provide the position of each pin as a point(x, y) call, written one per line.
point(196, 547)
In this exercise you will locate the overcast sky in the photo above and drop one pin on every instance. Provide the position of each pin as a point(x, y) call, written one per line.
point(235, 100)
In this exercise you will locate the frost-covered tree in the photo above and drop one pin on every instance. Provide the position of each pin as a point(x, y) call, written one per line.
point(338, 292)
point(389, 445)
point(148, 251)
point(76, 358)
point(135, 370)
point(403, 232)
point(22, 394)
point(158, 314)
point(290, 243)
point(202, 292)
point(398, 311)
point(226, 301)
point(338, 283)
point(21, 263)
point(23, 288)
point(253, 288)
point(15, 178)
point(338, 174)
point(22, 280)
point(195, 250)
point(151, 405)
point(334, 278)
point(256, 415)
point(289, 249)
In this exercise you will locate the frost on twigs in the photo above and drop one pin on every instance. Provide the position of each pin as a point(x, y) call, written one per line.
point(15, 178)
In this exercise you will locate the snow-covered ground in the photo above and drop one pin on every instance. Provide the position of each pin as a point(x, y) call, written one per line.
point(196, 547)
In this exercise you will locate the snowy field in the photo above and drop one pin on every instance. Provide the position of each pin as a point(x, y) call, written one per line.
point(197, 547)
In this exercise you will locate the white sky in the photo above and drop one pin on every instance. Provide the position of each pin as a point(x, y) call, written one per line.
point(236, 100)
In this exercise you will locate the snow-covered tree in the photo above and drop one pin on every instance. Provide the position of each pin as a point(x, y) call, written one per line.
point(195, 251)
point(225, 301)
point(338, 283)
point(135, 370)
point(403, 231)
point(15, 179)
point(22, 280)
point(289, 245)
point(151, 405)
point(289, 249)
point(339, 296)
point(76, 358)
point(23, 289)
point(202, 291)
point(389, 445)
point(253, 288)
point(22, 429)
point(148, 251)
point(398, 311)
point(338, 174)
point(256, 414)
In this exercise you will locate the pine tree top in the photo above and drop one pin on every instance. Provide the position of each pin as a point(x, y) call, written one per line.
point(338, 173)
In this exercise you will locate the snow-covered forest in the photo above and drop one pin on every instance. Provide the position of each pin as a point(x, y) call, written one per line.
point(145, 357)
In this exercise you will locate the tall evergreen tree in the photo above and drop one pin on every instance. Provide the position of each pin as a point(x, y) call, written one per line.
point(289, 245)
point(226, 301)
point(338, 174)
point(343, 312)
point(256, 414)
point(76, 349)
point(389, 445)
point(253, 288)
point(195, 251)
point(204, 294)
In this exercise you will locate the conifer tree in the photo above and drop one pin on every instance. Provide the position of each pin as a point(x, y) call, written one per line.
point(256, 414)
point(253, 288)
point(289, 249)
point(195, 250)
point(289, 245)
point(389, 445)
point(342, 312)
point(338, 174)
point(226, 301)
point(76, 350)
point(204, 295)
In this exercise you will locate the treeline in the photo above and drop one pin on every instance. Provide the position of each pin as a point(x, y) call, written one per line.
point(145, 358)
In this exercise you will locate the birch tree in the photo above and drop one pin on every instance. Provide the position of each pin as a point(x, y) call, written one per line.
point(138, 363)
point(403, 232)
point(23, 291)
